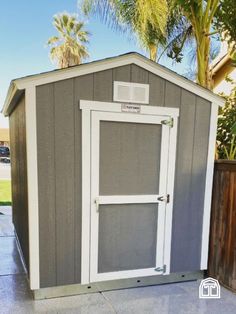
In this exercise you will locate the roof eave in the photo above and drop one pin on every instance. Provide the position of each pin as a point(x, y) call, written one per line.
point(19, 85)
point(13, 95)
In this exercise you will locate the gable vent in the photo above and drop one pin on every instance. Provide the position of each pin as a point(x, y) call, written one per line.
point(131, 92)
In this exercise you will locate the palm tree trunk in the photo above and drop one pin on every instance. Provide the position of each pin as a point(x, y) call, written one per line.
point(153, 52)
point(203, 72)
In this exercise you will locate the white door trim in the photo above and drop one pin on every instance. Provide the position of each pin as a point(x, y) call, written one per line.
point(170, 191)
point(128, 199)
point(117, 107)
point(87, 107)
point(86, 174)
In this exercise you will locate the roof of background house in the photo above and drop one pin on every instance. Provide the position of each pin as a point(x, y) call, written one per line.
point(17, 86)
point(4, 134)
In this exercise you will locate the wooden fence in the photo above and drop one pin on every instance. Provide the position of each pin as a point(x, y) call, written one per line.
point(222, 246)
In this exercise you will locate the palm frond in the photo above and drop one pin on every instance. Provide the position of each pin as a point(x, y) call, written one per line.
point(68, 48)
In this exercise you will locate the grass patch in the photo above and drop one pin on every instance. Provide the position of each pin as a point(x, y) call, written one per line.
point(5, 192)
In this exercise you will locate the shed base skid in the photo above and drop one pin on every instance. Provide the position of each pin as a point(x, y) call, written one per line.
point(68, 290)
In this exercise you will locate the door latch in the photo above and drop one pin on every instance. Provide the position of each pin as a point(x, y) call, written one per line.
point(164, 198)
point(96, 201)
point(169, 122)
point(159, 269)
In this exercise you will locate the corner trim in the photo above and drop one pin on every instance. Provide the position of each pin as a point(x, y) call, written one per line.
point(32, 177)
point(208, 187)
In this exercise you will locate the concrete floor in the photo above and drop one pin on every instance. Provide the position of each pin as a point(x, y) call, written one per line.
point(176, 298)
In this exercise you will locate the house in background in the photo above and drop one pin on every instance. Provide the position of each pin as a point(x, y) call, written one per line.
point(4, 137)
point(222, 67)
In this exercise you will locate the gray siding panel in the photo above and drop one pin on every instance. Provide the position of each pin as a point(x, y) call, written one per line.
point(103, 86)
point(129, 158)
point(46, 181)
point(19, 176)
point(182, 216)
point(139, 75)
point(122, 74)
point(83, 89)
point(172, 95)
point(134, 245)
point(156, 90)
point(64, 176)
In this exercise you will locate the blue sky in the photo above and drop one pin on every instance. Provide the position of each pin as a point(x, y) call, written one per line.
point(25, 27)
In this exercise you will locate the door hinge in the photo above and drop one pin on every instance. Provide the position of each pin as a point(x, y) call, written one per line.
point(169, 122)
point(164, 198)
point(161, 270)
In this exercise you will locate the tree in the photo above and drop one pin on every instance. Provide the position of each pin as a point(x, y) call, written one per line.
point(205, 19)
point(170, 24)
point(225, 22)
point(147, 19)
point(200, 15)
point(226, 131)
point(68, 48)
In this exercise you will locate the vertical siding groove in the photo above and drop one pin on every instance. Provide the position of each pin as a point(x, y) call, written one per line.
point(55, 194)
point(75, 109)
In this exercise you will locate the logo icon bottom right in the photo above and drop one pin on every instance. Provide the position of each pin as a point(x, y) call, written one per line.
point(209, 289)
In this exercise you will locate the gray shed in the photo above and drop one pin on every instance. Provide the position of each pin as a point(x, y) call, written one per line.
point(112, 165)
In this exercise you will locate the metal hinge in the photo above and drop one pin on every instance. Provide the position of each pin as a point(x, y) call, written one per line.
point(164, 198)
point(169, 122)
point(159, 269)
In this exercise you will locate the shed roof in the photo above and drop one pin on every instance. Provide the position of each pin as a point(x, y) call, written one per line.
point(18, 85)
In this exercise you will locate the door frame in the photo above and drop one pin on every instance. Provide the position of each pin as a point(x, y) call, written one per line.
point(87, 107)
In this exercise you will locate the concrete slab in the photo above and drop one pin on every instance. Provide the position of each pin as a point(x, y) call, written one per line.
point(172, 298)
point(182, 298)
point(16, 298)
point(9, 257)
point(6, 226)
point(6, 210)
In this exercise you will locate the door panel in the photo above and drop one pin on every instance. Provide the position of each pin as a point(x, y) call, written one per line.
point(129, 158)
point(127, 237)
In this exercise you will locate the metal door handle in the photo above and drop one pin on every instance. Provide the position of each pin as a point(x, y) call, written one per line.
point(164, 198)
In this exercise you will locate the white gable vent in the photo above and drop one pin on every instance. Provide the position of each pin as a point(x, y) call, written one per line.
point(131, 92)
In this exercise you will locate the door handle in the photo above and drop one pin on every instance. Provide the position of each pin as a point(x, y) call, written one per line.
point(96, 201)
point(165, 198)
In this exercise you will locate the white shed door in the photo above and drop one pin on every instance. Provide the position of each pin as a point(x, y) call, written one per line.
point(130, 157)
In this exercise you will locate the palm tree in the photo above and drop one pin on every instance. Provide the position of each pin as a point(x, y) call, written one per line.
point(147, 19)
point(168, 23)
point(200, 15)
point(68, 47)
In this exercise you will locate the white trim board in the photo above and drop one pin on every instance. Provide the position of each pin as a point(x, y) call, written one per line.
point(32, 177)
point(117, 107)
point(101, 65)
point(208, 188)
